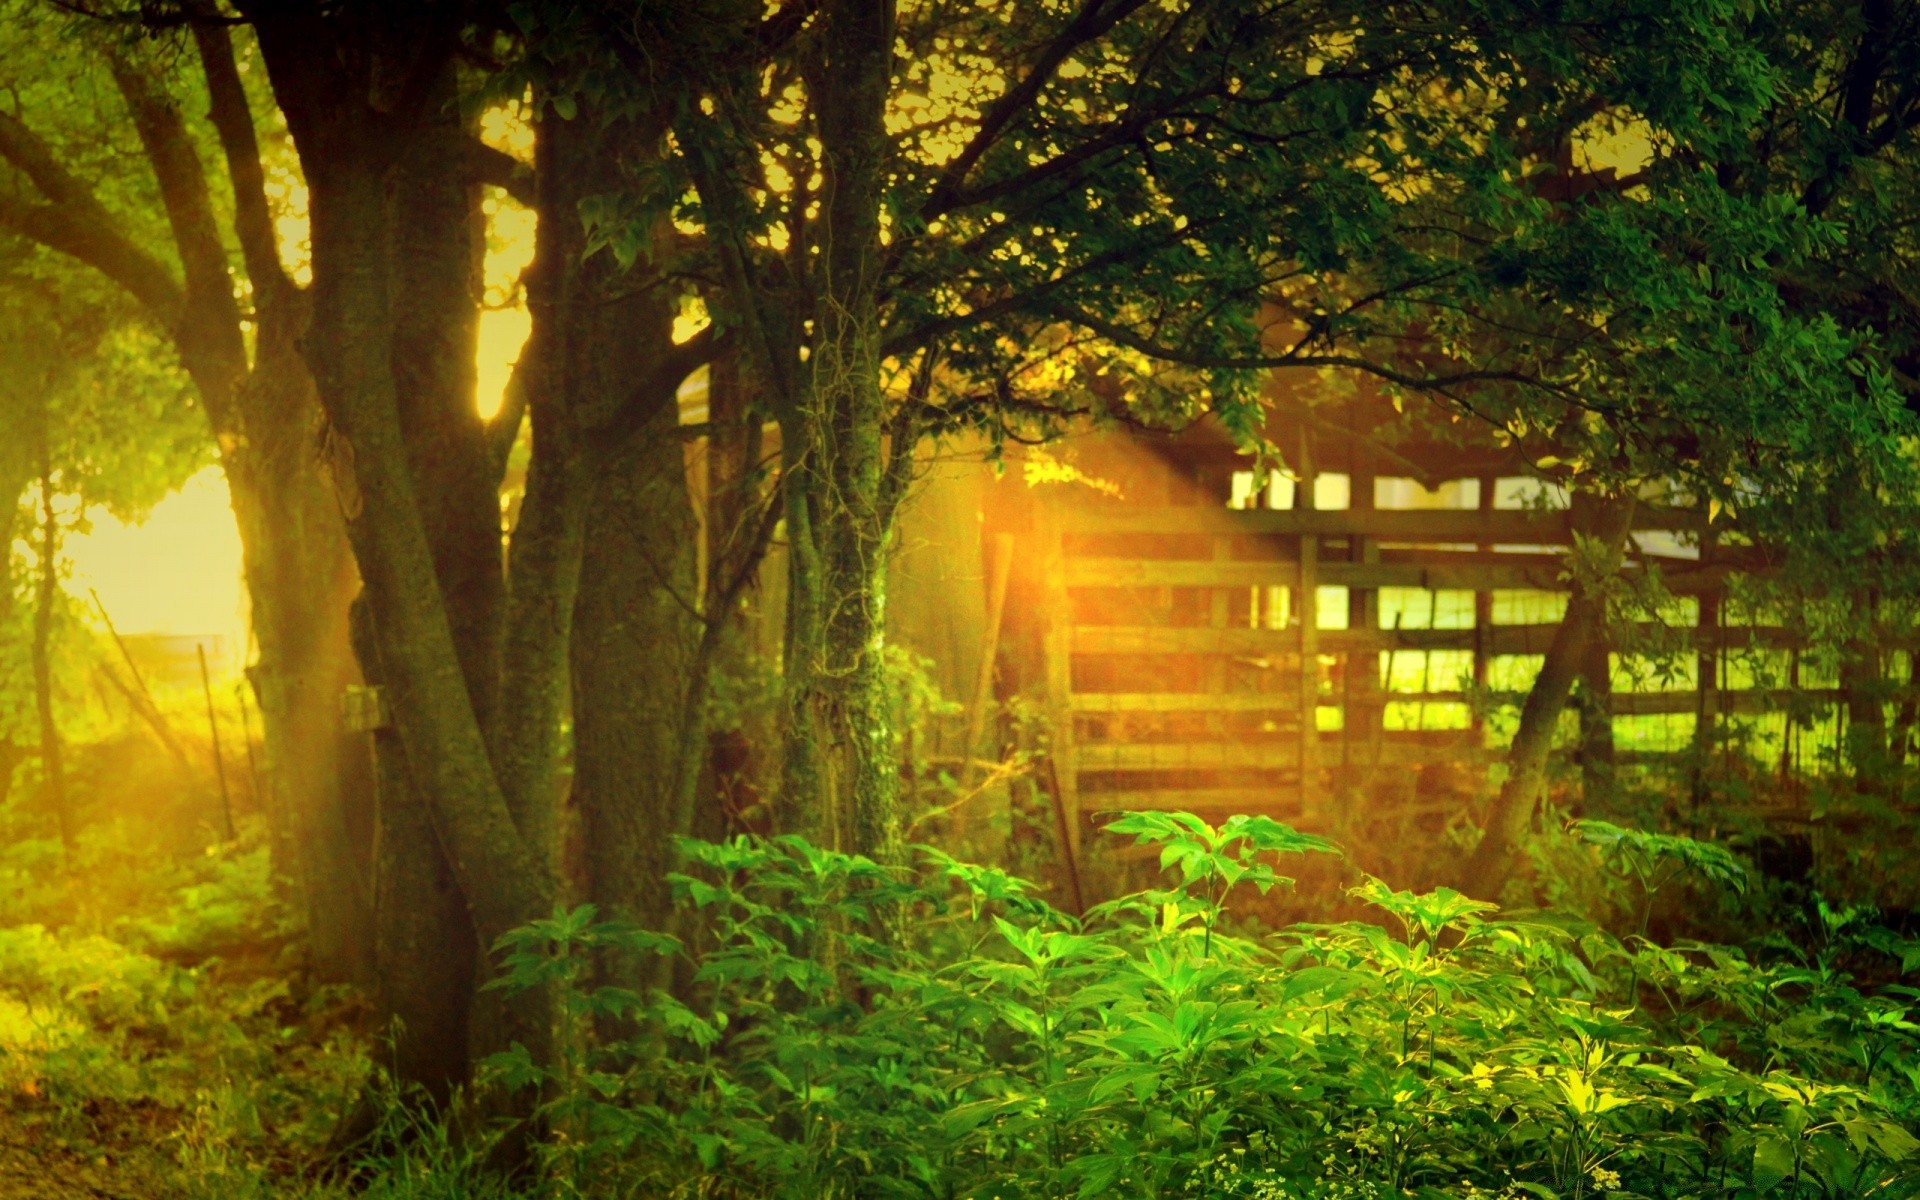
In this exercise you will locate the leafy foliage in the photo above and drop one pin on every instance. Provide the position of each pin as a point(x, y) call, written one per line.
point(1006, 1049)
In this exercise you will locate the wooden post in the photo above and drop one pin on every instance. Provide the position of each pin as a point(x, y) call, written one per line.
point(1309, 639)
point(1057, 643)
point(1482, 623)
point(1706, 685)
point(983, 682)
point(213, 729)
point(1361, 706)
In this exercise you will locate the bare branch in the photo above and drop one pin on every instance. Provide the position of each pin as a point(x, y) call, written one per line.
point(233, 119)
point(502, 170)
point(660, 388)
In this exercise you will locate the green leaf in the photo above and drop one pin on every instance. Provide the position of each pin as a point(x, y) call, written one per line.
point(1772, 1162)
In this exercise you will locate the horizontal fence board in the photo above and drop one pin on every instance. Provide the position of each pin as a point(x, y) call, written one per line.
point(1185, 702)
point(1390, 524)
point(1223, 756)
point(1241, 641)
point(1438, 570)
point(1717, 703)
point(1282, 798)
point(1144, 572)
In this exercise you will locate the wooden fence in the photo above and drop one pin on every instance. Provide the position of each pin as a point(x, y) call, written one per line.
point(1206, 651)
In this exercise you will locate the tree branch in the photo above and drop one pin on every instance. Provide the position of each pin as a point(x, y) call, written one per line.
point(1093, 20)
point(209, 337)
point(233, 119)
point(487, 165)
point(1122, 336)
point(660, 388)
point(75, 223)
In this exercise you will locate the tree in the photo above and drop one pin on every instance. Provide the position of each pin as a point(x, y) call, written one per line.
point(1130, 212)
point(472, 656)
point(161, 240)
point(1757, 350)
point(96, 421)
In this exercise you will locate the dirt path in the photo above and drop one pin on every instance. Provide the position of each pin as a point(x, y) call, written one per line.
point(33, 1170)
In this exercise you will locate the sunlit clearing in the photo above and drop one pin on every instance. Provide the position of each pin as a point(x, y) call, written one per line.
point(178, 572)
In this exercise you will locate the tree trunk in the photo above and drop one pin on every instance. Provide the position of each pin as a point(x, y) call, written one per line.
point(1607, 521)
point(424, 945)
point(52, 772)
point(300, 580)
point(297, 565)
point(16, 469)
point(426, 665)
point(635, 630)
point(841, 763)
point(1863, 682)
point(739, 528)
point(604, 557)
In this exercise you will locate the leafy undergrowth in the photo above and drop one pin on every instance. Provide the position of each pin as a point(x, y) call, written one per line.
point(165, 1054)
point(943, 1033)
point(1000, 1048)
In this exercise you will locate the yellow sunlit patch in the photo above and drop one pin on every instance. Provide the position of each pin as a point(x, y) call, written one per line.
point(691, 319)
point(503, 334)
point(1041, 468)
point(1612, 143)
point(287, 199)
point(505, 127)
point(177, 572)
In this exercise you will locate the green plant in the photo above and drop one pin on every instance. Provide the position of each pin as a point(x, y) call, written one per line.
point(1158, 1049)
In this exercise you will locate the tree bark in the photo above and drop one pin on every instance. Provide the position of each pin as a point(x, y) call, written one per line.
point(52, 771)
point(635, 629)
point(840, 770)
point(1607, 521)
point(424, 946)
point(395, 256)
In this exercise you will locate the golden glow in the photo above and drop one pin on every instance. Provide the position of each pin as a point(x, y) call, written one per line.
point(177, 572)
point(503, 334)
point(504, 322)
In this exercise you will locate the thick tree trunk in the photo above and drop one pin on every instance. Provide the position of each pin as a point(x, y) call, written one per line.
point(635, 631)
point(300, 580)
point(426, 665)
point(425, 949)
point(606, 552)
point(840, 740)
point(1607, 521)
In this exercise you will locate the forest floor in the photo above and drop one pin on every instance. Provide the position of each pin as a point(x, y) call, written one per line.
point(157, 1041)
point(33, 1168)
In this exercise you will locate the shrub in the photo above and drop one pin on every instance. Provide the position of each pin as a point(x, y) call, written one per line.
point(1002, 1048)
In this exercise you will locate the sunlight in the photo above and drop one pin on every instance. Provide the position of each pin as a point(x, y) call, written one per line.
point(503, 332)
point(177, 572)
